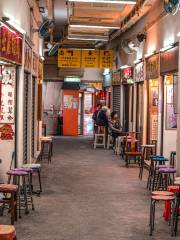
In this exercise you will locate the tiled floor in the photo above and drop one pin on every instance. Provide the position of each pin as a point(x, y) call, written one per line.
point(90, 195)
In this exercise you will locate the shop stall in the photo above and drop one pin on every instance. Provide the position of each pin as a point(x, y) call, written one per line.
point(10, 60)
point(128, 89)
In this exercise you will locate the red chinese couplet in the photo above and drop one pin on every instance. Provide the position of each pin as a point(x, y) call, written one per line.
point(10, 45)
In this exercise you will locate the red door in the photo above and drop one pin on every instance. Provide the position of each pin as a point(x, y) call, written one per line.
point(70, 113)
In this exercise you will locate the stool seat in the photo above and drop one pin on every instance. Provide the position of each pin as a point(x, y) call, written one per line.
point(163, 193)
point(148, 146)
point(46, 139)
point(164, 166)
point(162, 198)
point(7, 232)
point(167, 170)
point(17, 173)
point(28, 170)
point(32, 165)
point(8, 188)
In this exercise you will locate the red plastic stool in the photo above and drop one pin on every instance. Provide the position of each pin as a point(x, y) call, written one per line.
point(7, 232)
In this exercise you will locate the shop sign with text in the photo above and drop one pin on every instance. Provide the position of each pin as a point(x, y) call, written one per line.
point(69, 58)
point(127, 75)
point(106, 59)
point(90, 59)
point(10, 45)
point(35, 64)
point(152, 67)
point(139, 72)
point(116, 79)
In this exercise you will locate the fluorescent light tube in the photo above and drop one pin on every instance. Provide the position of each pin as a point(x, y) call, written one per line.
point(88, 39)
point(166, 48)
point(105, 1)
point(124, 66)
point(92, 26)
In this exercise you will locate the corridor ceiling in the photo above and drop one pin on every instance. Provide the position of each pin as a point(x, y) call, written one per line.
point(90, 23)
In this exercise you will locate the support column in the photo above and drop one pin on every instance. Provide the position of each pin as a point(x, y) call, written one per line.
point(178, 124)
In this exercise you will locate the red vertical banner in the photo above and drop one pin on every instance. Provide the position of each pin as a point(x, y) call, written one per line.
point(0, 84)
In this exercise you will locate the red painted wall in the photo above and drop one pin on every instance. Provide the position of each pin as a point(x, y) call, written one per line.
point(70, 113)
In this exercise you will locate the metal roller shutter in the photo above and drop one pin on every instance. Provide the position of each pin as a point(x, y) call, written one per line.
point(33, 117)
point(116, 99)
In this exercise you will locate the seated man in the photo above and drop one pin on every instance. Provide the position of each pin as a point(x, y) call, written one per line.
point(114, 126)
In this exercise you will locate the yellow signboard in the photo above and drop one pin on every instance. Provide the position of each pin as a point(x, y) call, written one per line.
point(69, 58)
point(90, 59)
point(106, 59)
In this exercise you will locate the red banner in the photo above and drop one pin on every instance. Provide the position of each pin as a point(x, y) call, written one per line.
point(10, 45)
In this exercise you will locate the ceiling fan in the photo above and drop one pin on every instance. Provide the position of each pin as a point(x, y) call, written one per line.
point(171, 6)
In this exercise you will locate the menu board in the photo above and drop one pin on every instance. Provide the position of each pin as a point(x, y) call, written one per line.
point(8, 95)
point(69, 58)
point(171, 117)
point(106, 59)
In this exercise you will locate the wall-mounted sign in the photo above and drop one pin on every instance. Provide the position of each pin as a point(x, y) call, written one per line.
point(28, 57)
point(90, 59)
point(72, 79)
point(10, 45)
point(35, 64)
point(169, 60)
point(152, 67)
point(127, 75)
point(8, 95)
point(116, 78)
point(107, 80)
point(40, 72)
point(106, 59)
point(139, 72)
point(76, 58)
point(69, 58)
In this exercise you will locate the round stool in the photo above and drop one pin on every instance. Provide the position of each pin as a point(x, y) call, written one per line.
point(12, 202)
point(7, 232)
point(17, 177)
point(46, 154)
point(36, 167)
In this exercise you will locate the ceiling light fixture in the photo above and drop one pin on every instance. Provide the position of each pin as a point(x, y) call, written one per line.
point(105, 1)
point(124, 66)
point(92, 26)
point(88, 39)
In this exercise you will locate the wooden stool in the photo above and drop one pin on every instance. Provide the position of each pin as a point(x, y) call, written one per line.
point(46, 141)
point(154, 200)
point(101, 135)
point(7, 232)
point(11, 201)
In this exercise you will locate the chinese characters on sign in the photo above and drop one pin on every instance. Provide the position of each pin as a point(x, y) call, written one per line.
point(8, 95)
point(139, 72)
point(10, 45)
point(90, 59)
point(35, 64)
point(116, 78)
point(106, 59)
point(69, 58)
point(76, 58)
point(152, 67)
point(40, 72)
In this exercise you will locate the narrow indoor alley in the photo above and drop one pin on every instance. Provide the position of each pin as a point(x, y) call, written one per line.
point(89, 195)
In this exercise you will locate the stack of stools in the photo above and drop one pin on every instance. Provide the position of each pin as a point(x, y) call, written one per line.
point(7, 232)
point(18, 176)
point(164, 196)
point(46, 148)
point(6, 190)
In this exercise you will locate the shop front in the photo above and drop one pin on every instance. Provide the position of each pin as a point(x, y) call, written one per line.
point(10, 60)
point(128, 91)
point(153, 101)
point(139, 86)
point(169, 73)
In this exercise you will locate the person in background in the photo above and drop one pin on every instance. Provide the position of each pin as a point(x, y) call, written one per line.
point(102, 118)
point(60, 123)
point(94, 117)
point(114, 126)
